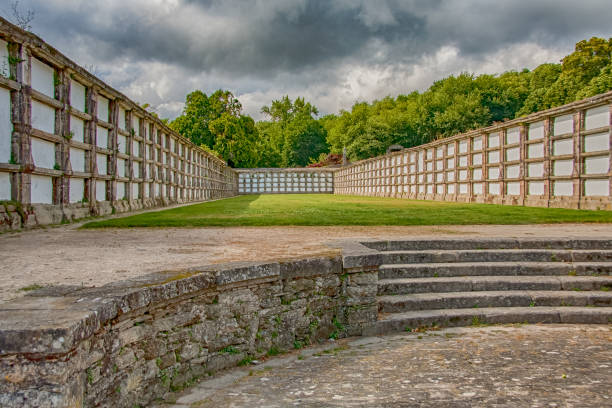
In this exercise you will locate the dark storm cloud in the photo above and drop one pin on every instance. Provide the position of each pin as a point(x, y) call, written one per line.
point(333, 52)
point(263, 38)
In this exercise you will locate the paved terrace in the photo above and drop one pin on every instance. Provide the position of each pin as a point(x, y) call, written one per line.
point(495, 366)
point(69, 256)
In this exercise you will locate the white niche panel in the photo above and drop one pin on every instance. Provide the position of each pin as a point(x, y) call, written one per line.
point(43, 117)
point(43, 153)
point(563, 167)
point(101, 163)
point(536, 188)
point(41, 188)
point(5, 186)
point(493, 140)
point(597, 142)
point(513, 171)
point(513, 154)
point(77, 129)
point(100, 190)
point(597, 187)
point(494, 189)
point(77, 190)
point(513, 189)
point(535, 169)
point(597, 117)
point(535, 150)
point(596, 165)
point(77, 159)
point(563, 125)
point(513, 135)
point(103, 108)
point(535, 131)
point(43, 78)
point(563, 188)
point(562, 147)
point(77, 96)
point(6, 127)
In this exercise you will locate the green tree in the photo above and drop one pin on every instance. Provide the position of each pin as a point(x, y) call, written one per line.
point(193, 122)
point(578, 69)
point(235, 139)
point(294, 132)
point(216, 122)
point(600, 84)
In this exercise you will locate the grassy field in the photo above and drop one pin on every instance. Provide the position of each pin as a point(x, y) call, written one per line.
point(324, 209)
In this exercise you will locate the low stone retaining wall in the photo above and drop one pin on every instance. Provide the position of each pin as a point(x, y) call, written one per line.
point(128, 343)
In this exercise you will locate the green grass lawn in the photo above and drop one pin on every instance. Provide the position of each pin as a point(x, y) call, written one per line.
point(325, 209)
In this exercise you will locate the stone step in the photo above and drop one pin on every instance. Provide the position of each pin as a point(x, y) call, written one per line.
point(492, 283)
point(449, 269)
point(490, 243)
point(497, 315)
point(487, 299)
point(496, 255)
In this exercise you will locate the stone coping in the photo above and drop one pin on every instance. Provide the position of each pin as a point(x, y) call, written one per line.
point(55, 319)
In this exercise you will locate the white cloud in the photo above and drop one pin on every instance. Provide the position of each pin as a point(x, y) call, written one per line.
point(333, 53)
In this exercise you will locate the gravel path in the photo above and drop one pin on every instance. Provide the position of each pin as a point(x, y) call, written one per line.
point(67, 255)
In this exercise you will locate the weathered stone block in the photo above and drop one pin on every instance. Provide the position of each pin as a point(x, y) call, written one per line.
point(189, 351)
point(220, 361)
point(363, 278)
point(357, 315)
point(358, 292)
point(134, 334)
point(310, 267)
point(299, 285)
point(246, 272)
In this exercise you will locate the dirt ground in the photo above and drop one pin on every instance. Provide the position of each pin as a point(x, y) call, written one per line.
point(67, 255)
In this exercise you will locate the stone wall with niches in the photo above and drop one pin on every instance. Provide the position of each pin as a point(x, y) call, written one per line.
point(555, 158)
point(71, 146)
point(285, 181)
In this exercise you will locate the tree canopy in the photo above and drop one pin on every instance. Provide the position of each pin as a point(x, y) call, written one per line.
point(459, 103)
point(217, 123)
point(294, 135)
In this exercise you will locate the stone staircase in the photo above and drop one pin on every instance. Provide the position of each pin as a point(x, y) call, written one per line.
point(471, 282)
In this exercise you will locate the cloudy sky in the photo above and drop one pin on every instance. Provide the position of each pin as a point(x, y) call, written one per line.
point(333, 52)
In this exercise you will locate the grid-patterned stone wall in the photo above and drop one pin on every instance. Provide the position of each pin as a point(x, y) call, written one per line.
point(72, 146)
point(285, 181)
point(554, 158)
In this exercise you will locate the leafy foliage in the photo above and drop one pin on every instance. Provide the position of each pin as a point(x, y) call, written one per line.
point(464, 102)
point(217, 123)
point(293, 135)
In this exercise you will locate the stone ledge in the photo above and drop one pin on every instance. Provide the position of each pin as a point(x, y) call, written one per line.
point(311, 267)
point(34, 323)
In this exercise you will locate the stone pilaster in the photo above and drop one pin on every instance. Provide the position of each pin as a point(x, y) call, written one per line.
point(21, 113)
point(547, 162)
